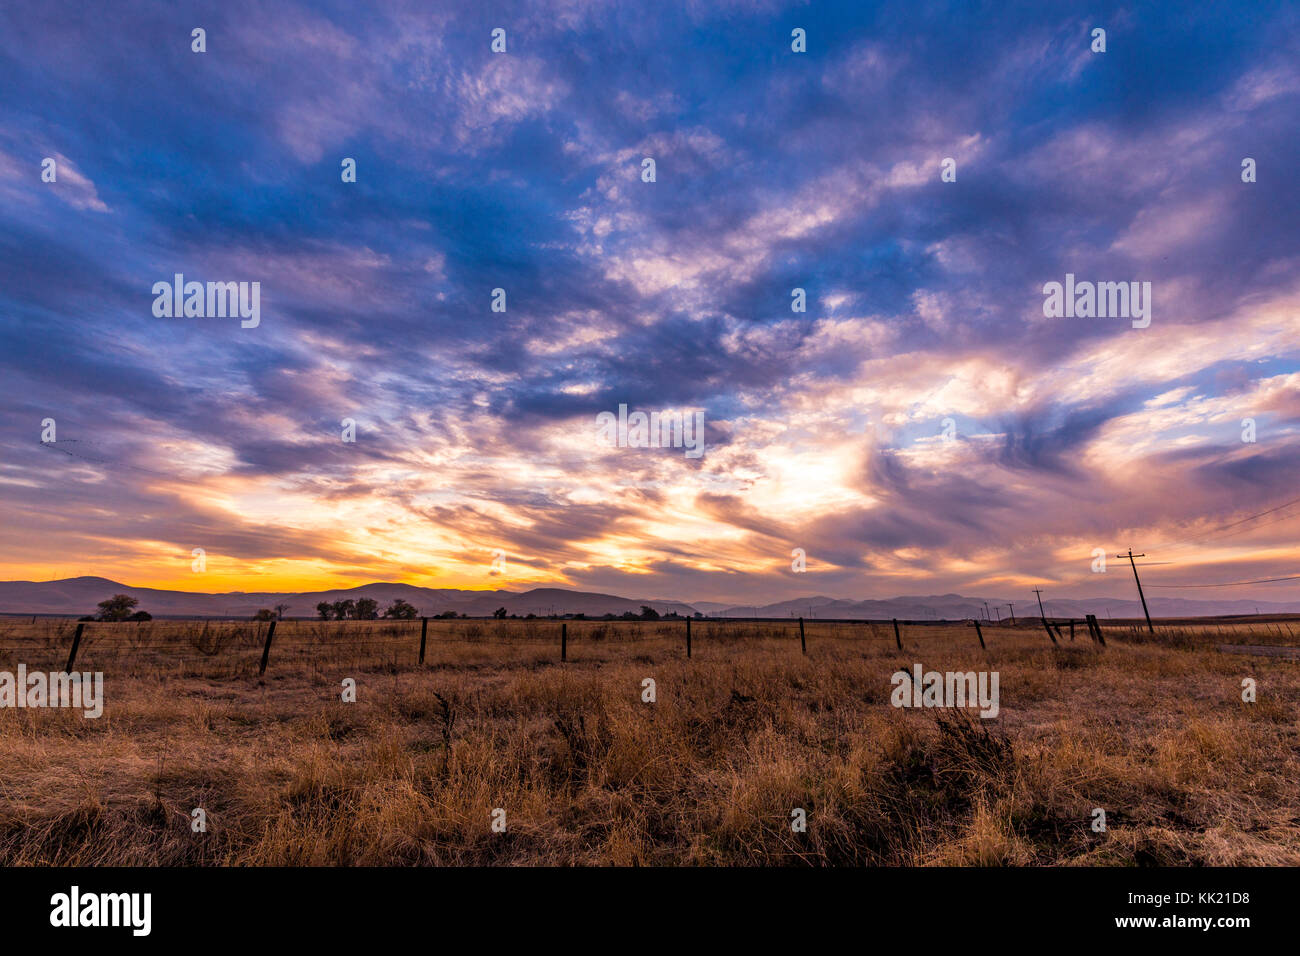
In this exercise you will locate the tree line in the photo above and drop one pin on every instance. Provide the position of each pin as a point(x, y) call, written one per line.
point(365, 609)
point(121, 607)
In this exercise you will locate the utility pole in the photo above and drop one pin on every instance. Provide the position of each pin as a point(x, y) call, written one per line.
point(987, 616)
point(998, 612)
point(1012, 609)
point(1133, 564)
point(1044, 615)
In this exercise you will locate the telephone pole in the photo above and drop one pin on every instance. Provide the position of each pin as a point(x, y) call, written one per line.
point(987, 615)
point(1012, 609)
point(1133, 564)
point(1043, 615)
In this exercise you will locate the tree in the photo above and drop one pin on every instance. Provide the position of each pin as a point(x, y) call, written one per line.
point(399, 610)
point(323, 609)
point(264, 614)
point(499, 613)
point(367, 609)
point(141, 616)
point(649, 613)
point(343, 609)
point(117, 608)
point(280, 609)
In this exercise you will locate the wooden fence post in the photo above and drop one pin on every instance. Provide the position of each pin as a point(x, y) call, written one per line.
point(1072, 630)
point(1094, 630)
point(564, 640)
point(979, 633)
point(688, 638)
point(72, 654)
point(266, 650)
point(424, 633)
point(1047, 627)
point(803, 645)
point(898, 639)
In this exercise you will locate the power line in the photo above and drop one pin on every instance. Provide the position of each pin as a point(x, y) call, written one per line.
point(108, 463)
point(1186, 542)
point(1228, 584)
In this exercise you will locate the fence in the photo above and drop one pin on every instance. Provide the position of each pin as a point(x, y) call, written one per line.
point(249, 648)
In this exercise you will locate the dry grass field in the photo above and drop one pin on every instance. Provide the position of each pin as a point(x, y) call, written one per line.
point(1154, 731)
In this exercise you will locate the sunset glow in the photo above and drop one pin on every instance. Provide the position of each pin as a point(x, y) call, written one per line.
point(475, 430)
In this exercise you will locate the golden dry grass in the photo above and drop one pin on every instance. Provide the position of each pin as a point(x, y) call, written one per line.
point(1153, 731)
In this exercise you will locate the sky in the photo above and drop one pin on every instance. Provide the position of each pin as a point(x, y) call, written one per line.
point(923, 426)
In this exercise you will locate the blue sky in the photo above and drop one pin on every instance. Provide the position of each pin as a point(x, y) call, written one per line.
point(775, 170)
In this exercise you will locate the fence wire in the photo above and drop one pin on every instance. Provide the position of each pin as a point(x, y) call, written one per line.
point(226, 648)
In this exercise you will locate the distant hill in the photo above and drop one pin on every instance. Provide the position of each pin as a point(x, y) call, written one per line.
point(78, 596)
point(956, 607)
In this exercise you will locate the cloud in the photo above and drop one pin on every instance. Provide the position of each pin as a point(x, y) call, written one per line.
point(521, 171)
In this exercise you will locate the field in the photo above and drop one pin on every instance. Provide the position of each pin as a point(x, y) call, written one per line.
point(1153, 731)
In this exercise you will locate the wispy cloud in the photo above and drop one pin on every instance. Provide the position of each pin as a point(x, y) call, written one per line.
point(921, 426)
